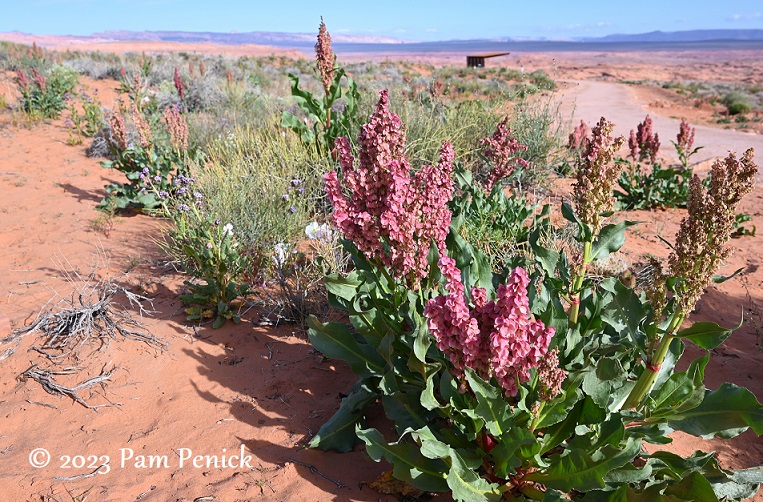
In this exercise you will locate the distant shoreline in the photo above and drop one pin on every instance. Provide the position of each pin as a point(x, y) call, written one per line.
point(480, 46)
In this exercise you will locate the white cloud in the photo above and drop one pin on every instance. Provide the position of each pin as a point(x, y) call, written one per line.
point(745, 17)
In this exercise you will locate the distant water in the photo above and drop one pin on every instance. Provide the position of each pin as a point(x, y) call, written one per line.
point(483, 46)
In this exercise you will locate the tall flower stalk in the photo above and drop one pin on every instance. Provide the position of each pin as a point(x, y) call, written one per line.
point(644, 143)
point(497, 338)
point(701, 247)
point(325, 60)
point(684, 143)
point(391, 215)
point(596, 175)
point(501, 149)
point(320, 122)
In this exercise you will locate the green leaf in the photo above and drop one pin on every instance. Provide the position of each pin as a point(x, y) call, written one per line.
point(547, 258)
point(569, 213)
point(578, 470)
point(491, 406)
point(679, 392)
point(561, 431)
point(408, 464)
point(669, 464)
point(560, 408)
point(725, 412)
point(693, 487)
point(720, 279)
point(505, 456)
point(625, 312)
point(628, 473)
point(428, 399)
point(335, 340)
point(405, 411)
point(611, 238)
point(339, 432)
point(431, 447)
point(466, 485)
point(741, 485)
point(706, 335)
point(345, 288)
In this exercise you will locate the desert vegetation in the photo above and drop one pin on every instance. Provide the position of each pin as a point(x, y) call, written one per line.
point(405, 216)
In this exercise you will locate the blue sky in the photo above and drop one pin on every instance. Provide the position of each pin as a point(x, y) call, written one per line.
point(404, 19)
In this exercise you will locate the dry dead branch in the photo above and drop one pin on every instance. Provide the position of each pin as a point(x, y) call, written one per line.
point(46, 378)
point(91, 315)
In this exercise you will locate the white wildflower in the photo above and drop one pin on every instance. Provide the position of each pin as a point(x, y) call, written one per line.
point(321, 232)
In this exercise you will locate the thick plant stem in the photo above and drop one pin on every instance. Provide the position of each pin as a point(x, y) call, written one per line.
point(537, 418)
point(577, 283)
point(646, 380)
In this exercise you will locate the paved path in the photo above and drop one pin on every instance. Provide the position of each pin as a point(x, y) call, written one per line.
point(589, 101)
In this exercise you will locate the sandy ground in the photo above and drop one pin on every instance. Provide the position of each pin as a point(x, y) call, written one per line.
point(257, 388)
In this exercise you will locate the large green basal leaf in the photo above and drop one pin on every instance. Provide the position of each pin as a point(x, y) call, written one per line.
point(725, 412)
point(582, 471)
point(339, 432)
point(466, 485)
point(408, 463)
point(335, 340)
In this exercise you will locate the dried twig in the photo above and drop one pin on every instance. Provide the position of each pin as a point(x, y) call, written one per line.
point(92, 314)
point(81, 476)
point(46, 378)
point(315, 470)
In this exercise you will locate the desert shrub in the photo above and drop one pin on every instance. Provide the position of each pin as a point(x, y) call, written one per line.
point(266, 185)
point(502, 390)
point(85, 118)
point(149, 157)
point(208, 249)
point(737, 102)
point(93, 68)
point(44, 93)
point(462, 123)
point(538, 124)
point(15, 56)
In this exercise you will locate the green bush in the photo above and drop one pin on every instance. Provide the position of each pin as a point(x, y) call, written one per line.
point(538, 124)
point(737, 102)
point(266, 184)
point(661, 187)
point(44, 93)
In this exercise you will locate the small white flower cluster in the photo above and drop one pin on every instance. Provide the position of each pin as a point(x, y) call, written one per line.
point(321, 232)
point(280, 253)
point(228, 230)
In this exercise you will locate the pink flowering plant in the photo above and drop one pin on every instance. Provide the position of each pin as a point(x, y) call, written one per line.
point(656, 186)
point(147, 156)
point(321, 120)
point(44, 92)
point(532, 381)
point(684, 144)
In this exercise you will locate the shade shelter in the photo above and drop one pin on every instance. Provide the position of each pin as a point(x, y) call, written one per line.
point(478, 60)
